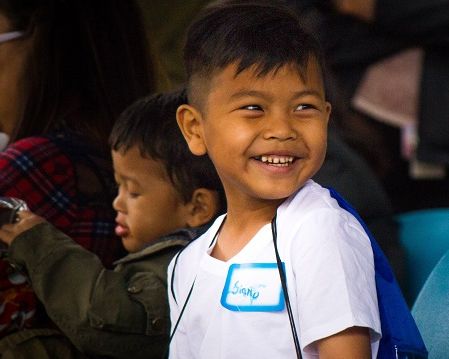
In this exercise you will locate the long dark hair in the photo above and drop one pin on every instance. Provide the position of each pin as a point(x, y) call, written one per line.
point(89, 59)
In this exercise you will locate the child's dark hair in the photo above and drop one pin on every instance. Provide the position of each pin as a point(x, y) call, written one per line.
point(263, 34)
point(150, 124)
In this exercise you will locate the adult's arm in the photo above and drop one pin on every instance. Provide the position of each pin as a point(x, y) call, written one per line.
point(352, 43)
point(426, 20)
point(47, 175)
point(35, 170)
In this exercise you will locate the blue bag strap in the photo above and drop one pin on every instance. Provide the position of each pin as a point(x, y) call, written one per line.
point(400, 335)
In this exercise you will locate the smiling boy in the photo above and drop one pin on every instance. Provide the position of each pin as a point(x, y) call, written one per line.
point(257, 107)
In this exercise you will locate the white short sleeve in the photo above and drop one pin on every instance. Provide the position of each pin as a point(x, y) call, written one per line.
point(335, 277)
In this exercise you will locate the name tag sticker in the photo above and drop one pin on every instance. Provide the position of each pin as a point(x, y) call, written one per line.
point(253, 287)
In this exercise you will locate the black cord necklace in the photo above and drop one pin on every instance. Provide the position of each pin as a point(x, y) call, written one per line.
point(283, 283)
point(284, 288)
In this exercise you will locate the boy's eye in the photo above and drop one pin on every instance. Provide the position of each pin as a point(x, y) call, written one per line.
point(134, 194)
point(252, 108)
point(304, 106)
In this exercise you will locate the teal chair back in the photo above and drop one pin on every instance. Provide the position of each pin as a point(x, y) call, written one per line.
point(424, 235)
point(431, 310)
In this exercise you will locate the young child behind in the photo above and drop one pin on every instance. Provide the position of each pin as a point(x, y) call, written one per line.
point(165, 194)
point(287, 271)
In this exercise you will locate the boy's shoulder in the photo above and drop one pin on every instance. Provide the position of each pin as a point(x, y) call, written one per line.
point(313, 202)
point(310, 197)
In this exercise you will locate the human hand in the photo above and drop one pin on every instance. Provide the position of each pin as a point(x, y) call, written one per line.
point(26, 220)
point(362, 9)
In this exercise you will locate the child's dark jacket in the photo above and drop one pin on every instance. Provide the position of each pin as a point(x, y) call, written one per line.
point(115, 313)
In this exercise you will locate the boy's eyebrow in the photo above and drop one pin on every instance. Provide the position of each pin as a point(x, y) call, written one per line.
point(249, 93)
point(266, 95)
point(310, 92)
point(129, 178)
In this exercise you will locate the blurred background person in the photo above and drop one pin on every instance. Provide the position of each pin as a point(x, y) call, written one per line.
point(390, 63)
point(388, 72)
point(67, 69)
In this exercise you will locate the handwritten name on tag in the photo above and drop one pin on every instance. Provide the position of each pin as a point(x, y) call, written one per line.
point(253, 287)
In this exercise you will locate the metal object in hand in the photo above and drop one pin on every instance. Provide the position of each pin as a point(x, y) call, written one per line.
point(9, 206)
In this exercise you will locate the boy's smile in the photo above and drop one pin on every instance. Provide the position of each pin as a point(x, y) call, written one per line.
point(265, 134)
point(277, 161)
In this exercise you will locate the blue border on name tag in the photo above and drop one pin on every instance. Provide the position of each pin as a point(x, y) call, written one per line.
point(252, 308)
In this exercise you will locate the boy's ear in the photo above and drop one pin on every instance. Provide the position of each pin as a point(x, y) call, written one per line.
point(328, 110)
point(202, 208)
point(189, 121)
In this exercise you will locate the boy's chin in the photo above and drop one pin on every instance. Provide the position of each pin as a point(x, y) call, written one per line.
point(277, 194)
point(131, 245)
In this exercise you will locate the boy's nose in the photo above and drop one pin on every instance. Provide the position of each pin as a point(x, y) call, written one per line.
point(117, 203)
point(279, 126)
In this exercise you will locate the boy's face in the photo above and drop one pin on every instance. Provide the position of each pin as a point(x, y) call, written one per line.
point(265, 135)
point(147, 204)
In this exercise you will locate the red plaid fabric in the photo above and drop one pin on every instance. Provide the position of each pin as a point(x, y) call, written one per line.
point(42, 172)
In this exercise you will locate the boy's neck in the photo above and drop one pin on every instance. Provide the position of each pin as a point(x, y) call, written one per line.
point(243, 221)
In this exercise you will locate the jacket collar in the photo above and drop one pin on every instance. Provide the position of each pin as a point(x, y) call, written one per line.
point(179, 238)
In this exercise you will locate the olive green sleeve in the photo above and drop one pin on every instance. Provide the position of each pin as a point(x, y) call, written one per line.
point(103, 312)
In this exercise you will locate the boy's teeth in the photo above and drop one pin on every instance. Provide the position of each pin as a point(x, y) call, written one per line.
point(277, 159)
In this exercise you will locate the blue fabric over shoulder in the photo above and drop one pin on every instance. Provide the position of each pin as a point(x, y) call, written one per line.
point(400, 336)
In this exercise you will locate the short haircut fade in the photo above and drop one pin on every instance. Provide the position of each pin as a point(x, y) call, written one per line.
point(252, 34)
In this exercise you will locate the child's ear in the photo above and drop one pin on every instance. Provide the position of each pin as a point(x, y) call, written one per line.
point(189, 121)
point(203, 207)
point(328, 110)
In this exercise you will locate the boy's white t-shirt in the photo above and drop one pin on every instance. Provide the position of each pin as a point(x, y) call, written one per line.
point(330, 278)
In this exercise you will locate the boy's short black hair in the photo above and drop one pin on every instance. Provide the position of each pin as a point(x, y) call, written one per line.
point(265, 35)
point(150, 124)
